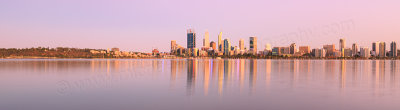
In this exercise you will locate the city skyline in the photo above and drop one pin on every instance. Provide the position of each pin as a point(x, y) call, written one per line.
point(144, 25)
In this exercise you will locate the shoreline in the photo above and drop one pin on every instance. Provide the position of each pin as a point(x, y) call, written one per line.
point(217, 58)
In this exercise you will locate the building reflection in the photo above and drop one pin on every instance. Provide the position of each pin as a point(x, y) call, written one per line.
point(191, 75)
point(206, 76)
point(220, 76)
point(241, 73)
point(173, 73)
point(224, 76)
point(342, 74)
point(253, 75)
point(227, 72)
point(393, 71)
point(293, 71)
point(267, 72)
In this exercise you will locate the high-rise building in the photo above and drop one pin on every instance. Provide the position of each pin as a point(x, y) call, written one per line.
point(206, 40)
point(382, 49)
point(375, 48)
point(173, 46)
point(276, 51)
point(364, 52)
point(213, 45)
point(342, 44)
point(393, 49)
point(268, 47)
point(354, 49)
point(304, 49)
point(347, 52)
point(220, 42)
point(285, 50)
point(330, 49)
point(253, 45)
point(320, 53)
point(241, 44)
point(191, 39)
point(227, 47)
point(292, 48)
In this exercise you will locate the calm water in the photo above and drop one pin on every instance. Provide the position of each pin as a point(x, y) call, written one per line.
point(145, 84)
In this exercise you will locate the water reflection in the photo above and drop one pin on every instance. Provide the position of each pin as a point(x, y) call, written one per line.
point(191, 76)
point(355, 80)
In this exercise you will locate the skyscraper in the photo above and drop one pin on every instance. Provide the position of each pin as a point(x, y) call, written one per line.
point(253, 45)
point(241, 44)
point(320, 53)
point(304, 49)
point(206, 40)
point(268, 47)
point(292, 48)
point(220, 42)
point(393, 49)
point(227, 47)
point(382, 49)
point(375, 48)
point(354, 49)
point(330, 49)
point(364, 52)
point(191, 39)
point(342, 44)
point(173, 46)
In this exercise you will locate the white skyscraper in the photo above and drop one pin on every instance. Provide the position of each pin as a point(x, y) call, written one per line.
point(220, 42)
point(268, 47)
point(375, 48)
point(241, 44)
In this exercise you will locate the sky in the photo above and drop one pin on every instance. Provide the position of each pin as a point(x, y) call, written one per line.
point(142, 25)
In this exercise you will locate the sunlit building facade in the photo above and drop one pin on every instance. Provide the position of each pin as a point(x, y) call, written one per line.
point(253, 45)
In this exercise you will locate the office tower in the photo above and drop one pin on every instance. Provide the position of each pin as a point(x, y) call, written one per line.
point(276, 51)
point(347, 52)
point(285, 50)
point(253, 45)
point(364, 52)
point(241, 44)
point(330, 49)
point(342, 44)
point(220, 41)
point(292, 48)
point(268, 47)
point(173, 46)
point(354, 49)
point(375, 48)
point(206, 41)
point(320, 53)
point(227, 47)
point(213, 45)
point(304, 49)
point(393, 49)
point(382, 49)
point(191, 39)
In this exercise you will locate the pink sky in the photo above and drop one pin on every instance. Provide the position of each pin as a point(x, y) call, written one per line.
point(140, 25)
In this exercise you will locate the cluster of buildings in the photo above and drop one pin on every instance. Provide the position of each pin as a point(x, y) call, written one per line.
point(224, 47)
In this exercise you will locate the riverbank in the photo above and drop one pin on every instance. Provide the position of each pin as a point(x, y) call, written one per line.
point(275, 58)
